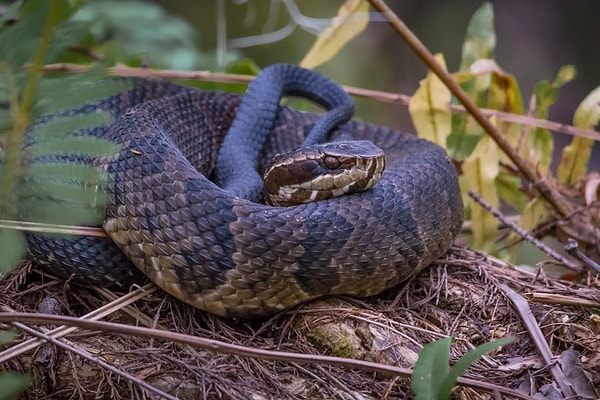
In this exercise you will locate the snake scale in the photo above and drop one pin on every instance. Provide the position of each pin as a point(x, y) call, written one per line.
point(236, 258)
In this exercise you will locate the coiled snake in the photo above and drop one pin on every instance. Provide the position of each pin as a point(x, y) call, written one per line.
point(237, 258)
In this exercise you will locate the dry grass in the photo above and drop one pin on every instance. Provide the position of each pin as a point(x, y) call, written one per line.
point(463, 296)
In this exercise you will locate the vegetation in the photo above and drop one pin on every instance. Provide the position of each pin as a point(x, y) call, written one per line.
point(509, 167)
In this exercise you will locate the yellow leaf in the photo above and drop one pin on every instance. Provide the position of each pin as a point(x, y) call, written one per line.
point(480, 170)
point(587, 114)
point(574, 160)
point(575, 157)
point(352, 19)
point(505, 95)
point(429, 108)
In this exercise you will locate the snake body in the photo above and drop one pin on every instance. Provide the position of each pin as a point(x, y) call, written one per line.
point(236, 258)
point(238, 156)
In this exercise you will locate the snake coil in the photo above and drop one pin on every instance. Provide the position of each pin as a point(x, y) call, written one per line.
point(236, 258)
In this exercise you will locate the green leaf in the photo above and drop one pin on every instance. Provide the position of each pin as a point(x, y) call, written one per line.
point(27, 30)
point(13, 248)
point(82, 145)
point(574, 160)
point(78, 90)
point(26, 33)
point(480, 171)
point(509, 188)
point(66, 8)
point(541, 144)
point(430, 369)
point(466, 361)
point(480, 40)
point(10, 12)
point(67, 182)
point(60, 126)
point(6, 336)
point(12, 384)
point(125, 28)
point(465, 135)
point(431, 377)
point(64, 213)
point(466, 132)
point(587, 114)
point(566, 74)
point(478, 47)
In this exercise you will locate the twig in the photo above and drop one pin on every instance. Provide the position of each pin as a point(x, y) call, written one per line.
point(552, 196)
point(84, 354)
point(530, 322)
point(553, 298)
point(61, 331)
point(501, 115)
point(53, 228)
point(125, 71)
point(571, 247)
point(378, 95)
point(235, 349)
point(524, 234)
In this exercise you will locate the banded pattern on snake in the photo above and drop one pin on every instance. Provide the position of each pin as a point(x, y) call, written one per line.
point(236, 258)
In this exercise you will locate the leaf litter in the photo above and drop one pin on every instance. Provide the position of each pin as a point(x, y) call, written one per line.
point(462, 296)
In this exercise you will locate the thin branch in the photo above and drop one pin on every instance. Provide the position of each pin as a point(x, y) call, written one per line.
point(572, 247)
point(536, 334)
point(96, 360)
point(377, 95)
point(53, 228)
point(63, 330)
point(524, 234)
point(563, 300)
point(297, 20)
point(235, 349)
point(263, 38)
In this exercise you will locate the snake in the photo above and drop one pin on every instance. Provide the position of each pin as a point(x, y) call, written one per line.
point(317, 170)
point(237, 257)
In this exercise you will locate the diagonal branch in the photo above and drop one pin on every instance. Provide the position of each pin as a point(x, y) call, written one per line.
point(555, 199)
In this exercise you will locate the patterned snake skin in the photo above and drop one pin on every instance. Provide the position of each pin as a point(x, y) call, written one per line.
point(235, 258)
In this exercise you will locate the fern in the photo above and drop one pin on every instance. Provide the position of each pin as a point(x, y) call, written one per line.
point(48, 182)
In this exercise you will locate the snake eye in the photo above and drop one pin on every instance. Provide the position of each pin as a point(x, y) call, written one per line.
point(331, 162)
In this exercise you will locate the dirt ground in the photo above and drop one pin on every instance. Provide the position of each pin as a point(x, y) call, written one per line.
point(472, 297)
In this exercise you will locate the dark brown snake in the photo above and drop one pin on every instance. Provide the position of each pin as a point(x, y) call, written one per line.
point(236, 258)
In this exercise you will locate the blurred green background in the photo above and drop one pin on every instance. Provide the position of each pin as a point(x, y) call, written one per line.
point(535, 38)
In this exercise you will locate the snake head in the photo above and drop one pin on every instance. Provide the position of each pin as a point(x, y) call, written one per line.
point(322, 171)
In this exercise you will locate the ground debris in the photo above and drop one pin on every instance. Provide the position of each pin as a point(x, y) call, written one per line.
point(460, 296)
